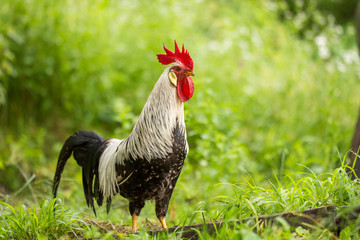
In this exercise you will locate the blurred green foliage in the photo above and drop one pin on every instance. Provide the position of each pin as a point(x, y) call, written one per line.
point(276, 87)
point(308, 17)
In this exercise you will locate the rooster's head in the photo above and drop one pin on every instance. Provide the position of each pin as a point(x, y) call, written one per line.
point(181, 71)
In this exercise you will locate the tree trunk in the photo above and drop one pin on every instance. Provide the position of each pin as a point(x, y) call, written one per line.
point(354, 158)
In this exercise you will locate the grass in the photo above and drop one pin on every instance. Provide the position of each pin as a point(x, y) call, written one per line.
point(48, 220)
point(307, 192)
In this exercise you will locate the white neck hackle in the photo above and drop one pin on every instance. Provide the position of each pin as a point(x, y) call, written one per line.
point(152, 135)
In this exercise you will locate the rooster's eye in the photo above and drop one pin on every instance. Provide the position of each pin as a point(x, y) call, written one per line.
point(178, 69)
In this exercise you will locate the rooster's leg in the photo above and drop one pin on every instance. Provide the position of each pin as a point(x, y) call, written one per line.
point(161, 207)
point(135, 208)
point(134, 223)
point(163, 222)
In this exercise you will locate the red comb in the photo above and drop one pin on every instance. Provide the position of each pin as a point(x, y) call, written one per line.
point(183, 57)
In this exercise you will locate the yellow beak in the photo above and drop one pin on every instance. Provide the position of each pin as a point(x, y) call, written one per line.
point(190, 73)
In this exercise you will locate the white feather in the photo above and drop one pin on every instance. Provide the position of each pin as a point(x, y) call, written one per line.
point(107, 171)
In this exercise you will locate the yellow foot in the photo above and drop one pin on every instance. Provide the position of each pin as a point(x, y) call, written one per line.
point(163, 222)
point(134, 223)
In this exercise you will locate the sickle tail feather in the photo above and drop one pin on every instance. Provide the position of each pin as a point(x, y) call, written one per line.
point(86, 147)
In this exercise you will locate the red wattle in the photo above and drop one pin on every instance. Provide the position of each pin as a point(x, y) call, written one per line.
point(185, 89)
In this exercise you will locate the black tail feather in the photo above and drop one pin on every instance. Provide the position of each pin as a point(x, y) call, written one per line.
point(108, 205)
point(87, 148)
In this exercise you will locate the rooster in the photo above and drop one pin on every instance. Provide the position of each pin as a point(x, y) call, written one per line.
point(145, 165)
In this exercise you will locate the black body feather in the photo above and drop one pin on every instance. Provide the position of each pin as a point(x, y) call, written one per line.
point(155, 179)
point(86, 147)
